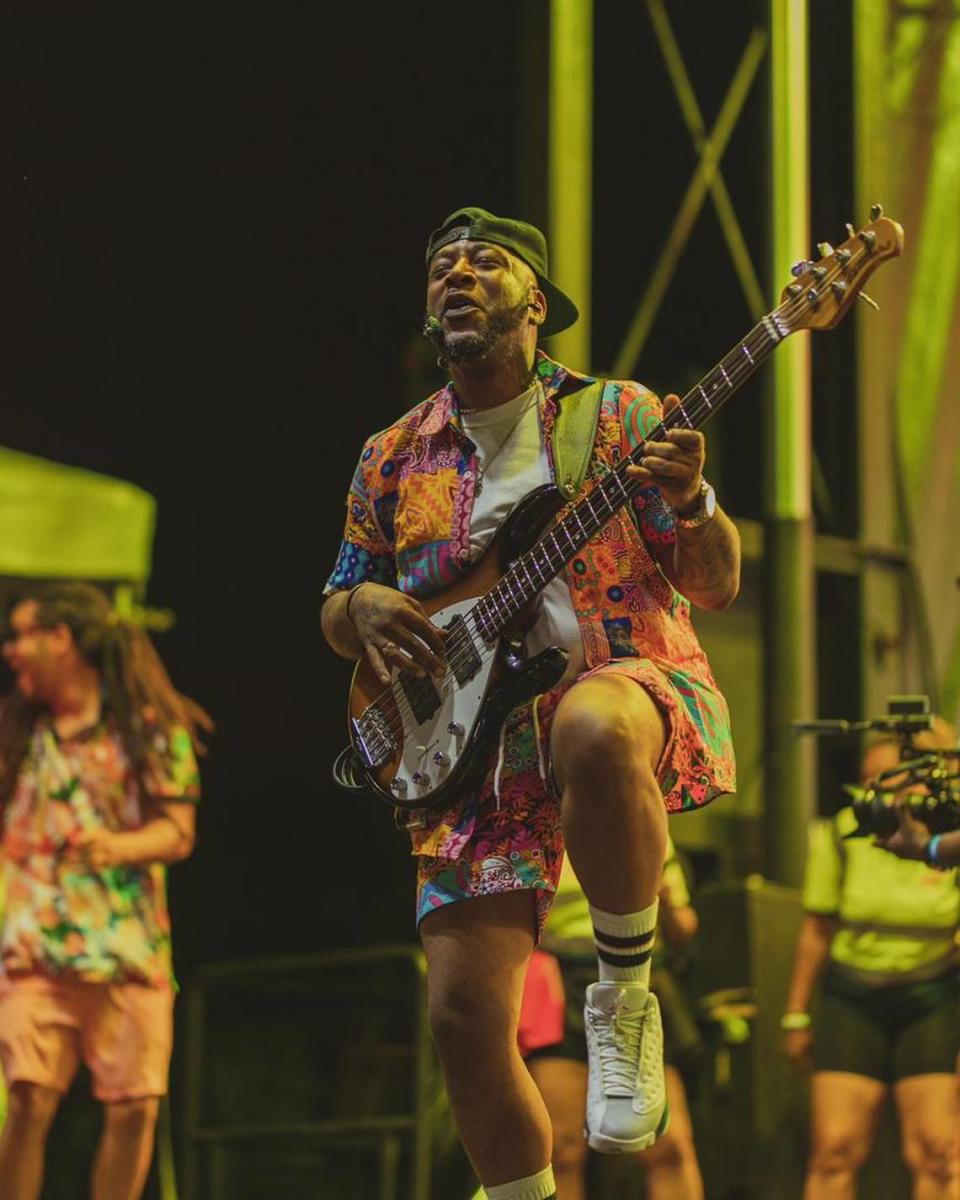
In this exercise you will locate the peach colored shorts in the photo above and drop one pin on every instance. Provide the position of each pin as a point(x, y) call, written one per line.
point(122, 1031)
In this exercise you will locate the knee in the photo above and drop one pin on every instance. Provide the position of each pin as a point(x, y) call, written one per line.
point(463, 1020)
point(668, 1153)
point(932, 1153)
point(132, 1119)
point(33, 1105)
point(595, 736)
point(838, 1154)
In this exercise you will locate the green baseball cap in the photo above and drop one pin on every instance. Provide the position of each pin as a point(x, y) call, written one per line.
point(521, 239)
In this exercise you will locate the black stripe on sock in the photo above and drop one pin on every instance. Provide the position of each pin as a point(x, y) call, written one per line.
point(623, 960)
point(624, 943)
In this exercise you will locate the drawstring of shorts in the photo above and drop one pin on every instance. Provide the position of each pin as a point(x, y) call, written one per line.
point(500, 757)
point(536, 733)
point(502, 749)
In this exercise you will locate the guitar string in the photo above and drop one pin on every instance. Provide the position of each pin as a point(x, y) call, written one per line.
point(692, 405)
point(690, 410)
point(503, 596)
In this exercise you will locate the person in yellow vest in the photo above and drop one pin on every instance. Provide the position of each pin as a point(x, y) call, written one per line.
point(879, 938)
point(553, 1043)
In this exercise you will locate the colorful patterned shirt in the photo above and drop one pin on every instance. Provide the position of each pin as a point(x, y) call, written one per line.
point(96, 926)
point(408, 526)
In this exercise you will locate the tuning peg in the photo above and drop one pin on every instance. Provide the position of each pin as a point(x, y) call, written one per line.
point(824, 249)
point(868, 237)
point(876, 212)
point(868, 300)
point(851, 232)
point(800, 267)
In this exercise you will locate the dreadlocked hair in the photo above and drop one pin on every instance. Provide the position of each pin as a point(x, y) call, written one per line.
point(137, 690)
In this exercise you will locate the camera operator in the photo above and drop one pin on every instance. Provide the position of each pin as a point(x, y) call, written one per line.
point(879, 933)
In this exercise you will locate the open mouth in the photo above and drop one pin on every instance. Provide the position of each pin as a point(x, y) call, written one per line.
point(459, 306)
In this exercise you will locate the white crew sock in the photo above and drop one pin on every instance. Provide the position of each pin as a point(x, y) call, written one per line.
point(533, 1187)
point(625, 943)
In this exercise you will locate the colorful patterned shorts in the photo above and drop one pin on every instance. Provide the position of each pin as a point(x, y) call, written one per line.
point(509, 837)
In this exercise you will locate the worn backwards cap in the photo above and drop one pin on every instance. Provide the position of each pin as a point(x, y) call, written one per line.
point(521, 239)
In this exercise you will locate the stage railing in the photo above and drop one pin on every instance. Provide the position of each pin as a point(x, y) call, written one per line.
point(325, 1054)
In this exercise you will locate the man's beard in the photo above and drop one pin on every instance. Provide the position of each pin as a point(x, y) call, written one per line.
point(471, 344)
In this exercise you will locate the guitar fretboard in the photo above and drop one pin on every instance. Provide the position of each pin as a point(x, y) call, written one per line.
point(528, 576)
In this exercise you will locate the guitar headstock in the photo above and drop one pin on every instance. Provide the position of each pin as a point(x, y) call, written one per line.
point(823, 292)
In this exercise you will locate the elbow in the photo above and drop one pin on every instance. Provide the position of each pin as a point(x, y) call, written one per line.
point(183, 848)
point(722, 598)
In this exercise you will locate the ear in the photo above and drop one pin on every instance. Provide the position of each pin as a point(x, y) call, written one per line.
point(61, 639)
point(538, 306)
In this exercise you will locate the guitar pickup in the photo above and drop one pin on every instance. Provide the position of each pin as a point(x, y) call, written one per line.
point(421, 694)
point(461, 652)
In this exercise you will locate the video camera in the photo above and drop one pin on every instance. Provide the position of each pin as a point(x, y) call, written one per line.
point(924, 782)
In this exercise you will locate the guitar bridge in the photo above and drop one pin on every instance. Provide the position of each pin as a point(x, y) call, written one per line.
point(374, 739)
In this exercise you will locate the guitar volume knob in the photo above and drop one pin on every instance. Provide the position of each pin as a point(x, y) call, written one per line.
point(455, 729)
point(441, 759)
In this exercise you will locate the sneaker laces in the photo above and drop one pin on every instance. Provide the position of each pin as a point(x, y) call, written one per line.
point(620, 1046)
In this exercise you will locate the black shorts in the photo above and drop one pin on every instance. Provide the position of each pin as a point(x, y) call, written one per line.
point(888, 1033)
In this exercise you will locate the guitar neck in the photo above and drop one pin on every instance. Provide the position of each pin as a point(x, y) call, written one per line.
point(530, 573)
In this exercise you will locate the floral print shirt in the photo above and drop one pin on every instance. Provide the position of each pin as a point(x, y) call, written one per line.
point(68, 921)
point(408, 526)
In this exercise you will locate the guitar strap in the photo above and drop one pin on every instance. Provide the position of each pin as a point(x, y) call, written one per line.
point(574, 432)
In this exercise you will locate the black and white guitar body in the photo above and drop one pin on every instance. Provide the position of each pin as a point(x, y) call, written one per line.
point(423, 743)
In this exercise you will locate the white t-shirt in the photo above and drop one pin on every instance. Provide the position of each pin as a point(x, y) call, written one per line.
point(513, 461)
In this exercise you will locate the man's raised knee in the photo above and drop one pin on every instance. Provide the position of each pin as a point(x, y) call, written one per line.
point(606, 724)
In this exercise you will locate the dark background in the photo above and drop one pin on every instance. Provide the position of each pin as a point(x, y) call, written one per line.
point(213, 229)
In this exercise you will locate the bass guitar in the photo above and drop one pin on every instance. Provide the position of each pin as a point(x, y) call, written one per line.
point(420, 743)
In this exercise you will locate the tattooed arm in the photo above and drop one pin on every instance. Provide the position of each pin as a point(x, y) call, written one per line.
point(706, 562)
point(706, 559)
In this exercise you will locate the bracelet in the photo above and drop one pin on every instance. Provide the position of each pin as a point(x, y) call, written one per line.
point(795, 1020)
point(930, 853)
point(356, 587)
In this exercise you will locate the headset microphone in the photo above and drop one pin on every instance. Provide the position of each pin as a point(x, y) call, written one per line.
point(432, 328)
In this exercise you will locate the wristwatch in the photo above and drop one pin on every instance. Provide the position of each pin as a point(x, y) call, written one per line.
point(702, 511)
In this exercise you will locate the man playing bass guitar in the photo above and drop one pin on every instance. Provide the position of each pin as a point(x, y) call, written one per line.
point(634, 729)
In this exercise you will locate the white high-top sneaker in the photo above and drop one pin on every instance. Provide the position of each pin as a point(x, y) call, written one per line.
point(626, 1096)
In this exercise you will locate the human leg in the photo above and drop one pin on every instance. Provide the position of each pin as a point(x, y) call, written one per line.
point(670, 1164)
point(843, 1113)
point(477, 952)
point(563, 1085)
point(929, 1114)
point(39, 1049)
point(925, 1092)
point(127, 1043)
point(125, 1150)
point(30, 1112)
point(606, 744)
